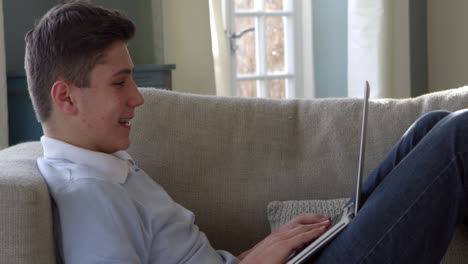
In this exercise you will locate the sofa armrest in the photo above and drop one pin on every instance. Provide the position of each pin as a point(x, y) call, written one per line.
point(25, 216)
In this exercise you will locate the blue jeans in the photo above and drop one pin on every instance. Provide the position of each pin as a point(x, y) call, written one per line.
point(413, 200)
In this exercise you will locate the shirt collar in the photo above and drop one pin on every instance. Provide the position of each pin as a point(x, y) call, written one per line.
point(115, 166)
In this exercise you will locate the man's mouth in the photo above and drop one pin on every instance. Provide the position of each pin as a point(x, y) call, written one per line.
point(125, 122)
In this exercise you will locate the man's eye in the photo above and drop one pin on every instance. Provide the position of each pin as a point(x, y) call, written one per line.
point(119, 83)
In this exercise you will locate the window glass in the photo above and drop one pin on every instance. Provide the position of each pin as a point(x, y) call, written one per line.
point(274, 4)
point(275, 88)
point(274, 42)
point(243, 4)
point(245, 46)
point(247, 88)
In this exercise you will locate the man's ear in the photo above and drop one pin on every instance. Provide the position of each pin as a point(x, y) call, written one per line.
point(61, 94)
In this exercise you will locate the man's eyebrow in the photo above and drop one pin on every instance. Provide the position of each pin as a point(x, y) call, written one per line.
point(123, 71)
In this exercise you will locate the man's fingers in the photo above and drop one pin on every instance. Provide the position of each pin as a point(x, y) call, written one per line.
point(279, 246)
point(306, 219)
point(299, 229)
point(309, 219)
point(302, 238)
point(302, 219)
point(299, 240)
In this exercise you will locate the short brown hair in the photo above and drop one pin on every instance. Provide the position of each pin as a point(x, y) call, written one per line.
point(66, 43)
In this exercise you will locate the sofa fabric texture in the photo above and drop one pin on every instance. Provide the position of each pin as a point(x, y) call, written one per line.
point(26, 234)
point(225, 158)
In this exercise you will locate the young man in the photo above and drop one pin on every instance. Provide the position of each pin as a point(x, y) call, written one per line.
point(109, 211)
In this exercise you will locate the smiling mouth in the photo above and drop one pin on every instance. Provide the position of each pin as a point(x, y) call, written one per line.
point(125, 122)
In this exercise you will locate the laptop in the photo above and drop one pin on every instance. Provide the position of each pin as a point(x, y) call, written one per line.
point(348, 213)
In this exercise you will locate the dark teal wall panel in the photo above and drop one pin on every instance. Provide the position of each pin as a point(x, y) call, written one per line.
point(418, 47)
point(20, 17)
point(22, 123)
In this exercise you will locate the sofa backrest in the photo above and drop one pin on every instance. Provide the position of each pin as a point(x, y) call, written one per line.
point(225, 158)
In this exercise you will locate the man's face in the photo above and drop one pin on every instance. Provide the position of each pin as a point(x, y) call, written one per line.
point(107, 105)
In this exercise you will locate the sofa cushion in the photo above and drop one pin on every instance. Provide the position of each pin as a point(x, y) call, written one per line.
point(281, 212)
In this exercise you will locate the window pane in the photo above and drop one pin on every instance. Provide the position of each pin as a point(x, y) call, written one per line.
point(247, 88)
point(274, 4)
point(245, 55)
point(275, 88)
point(243, 4)
point(274, 39)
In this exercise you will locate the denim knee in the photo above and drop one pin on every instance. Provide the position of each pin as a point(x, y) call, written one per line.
point(427, 121)
point(458, 123)
point(434, 116)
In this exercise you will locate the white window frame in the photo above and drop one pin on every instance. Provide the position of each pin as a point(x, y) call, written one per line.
point(298, 74)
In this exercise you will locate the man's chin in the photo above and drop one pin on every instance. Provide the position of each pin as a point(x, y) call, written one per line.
point(125, 145)
point(117, 147)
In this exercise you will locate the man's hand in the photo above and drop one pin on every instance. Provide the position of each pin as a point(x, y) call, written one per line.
point(275, 248)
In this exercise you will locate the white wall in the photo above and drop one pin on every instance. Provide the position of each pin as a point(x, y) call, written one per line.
point(187, 43)
point(447, 27)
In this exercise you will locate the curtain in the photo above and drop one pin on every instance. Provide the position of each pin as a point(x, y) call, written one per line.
point(379, 48)
point(3, 86)
point(220, 49)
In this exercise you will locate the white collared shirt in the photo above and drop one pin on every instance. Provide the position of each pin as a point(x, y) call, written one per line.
point(109, 211)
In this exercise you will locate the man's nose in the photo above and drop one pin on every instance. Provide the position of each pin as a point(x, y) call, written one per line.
point(136, 98)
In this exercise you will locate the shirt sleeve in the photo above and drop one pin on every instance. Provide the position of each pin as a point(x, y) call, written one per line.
point(99, 224)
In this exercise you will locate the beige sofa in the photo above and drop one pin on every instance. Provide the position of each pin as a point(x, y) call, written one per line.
point(226, 159)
